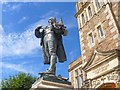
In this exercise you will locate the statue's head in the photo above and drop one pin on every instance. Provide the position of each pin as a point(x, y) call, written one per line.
point(52, 20)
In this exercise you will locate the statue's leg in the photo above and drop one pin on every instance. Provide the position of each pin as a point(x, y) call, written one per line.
point(52, 51)
point(46, 52)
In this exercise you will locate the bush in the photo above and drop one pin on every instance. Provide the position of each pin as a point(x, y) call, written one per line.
point(21, 81)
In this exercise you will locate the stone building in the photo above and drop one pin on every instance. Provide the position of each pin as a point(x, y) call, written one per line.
point(99, 31)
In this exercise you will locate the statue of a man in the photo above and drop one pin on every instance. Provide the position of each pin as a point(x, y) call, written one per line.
point(51, 42)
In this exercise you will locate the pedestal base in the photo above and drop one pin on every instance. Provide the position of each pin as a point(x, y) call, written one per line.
point(51, 82)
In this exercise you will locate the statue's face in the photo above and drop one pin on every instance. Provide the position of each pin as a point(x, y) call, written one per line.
point(52, 20)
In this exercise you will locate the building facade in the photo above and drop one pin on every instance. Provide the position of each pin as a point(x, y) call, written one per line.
point(99, 31)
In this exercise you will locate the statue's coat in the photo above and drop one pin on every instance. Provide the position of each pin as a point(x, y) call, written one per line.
point(60, 52)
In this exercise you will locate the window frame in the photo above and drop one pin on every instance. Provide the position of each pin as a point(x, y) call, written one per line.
point(98, 33)
point(85, 19)
point(98, 5)
point(90, 11)
point(90, 43)
point(78, 76)
point(101, 5)
point(88, 14)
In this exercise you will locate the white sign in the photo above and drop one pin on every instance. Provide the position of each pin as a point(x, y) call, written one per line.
point(102, 68)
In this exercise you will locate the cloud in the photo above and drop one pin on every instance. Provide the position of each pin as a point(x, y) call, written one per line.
point(17, 44)
point(73, 54)
point(11, 7)
point(26, 67)
point(44, 19)
point(16, 7)
point(16, 67)
point(71, 25)
point(1, 40)
point(53, 13)
point(22, 19)
point(1, 30)
point(20, 44)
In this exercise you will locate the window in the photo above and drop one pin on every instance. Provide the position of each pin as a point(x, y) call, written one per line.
point(91, 39)
point(79, 79)
point(76, 72)
point(97, 4)
point(100, 31)
point(79, 82)
point(89, 11)
point(83, 19)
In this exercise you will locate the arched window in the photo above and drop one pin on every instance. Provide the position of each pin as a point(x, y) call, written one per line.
point(79, 80)
point(91, 38)
point(83, 18)
point(100, 31)
point(97, 4)
point(90, 12)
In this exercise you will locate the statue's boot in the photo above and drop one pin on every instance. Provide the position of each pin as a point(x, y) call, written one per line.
point(49, 72)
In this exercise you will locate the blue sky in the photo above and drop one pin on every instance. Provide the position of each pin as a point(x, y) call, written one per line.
point(20, 48)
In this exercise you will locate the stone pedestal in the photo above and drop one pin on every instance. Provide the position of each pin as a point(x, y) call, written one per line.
point(51, 82)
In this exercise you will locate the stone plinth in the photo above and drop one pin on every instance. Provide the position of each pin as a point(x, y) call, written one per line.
point(51, 82)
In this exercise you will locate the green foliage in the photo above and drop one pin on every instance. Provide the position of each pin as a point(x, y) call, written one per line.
point(21, 81)
point(118, 86)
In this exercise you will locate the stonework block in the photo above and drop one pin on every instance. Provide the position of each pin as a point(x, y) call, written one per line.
point(115, 36)
point(81, 39)
point(84, 57)
point(113, 30)
point(111, 22)
point(51, 83)
point(105, 11)
point(82, 44)
point(119, 37)
point(83, 51)
point(108, 17)
point(81, 33)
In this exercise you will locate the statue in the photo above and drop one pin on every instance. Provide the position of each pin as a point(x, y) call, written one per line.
point(51, 42)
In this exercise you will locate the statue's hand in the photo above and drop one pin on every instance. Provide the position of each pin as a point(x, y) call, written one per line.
point(39, 27)
point(38, 33)
point(65, 33)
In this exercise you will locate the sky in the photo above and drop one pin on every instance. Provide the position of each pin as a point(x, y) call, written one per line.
point(20, 49)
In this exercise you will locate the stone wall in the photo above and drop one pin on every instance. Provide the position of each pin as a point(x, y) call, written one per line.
point(108, 17)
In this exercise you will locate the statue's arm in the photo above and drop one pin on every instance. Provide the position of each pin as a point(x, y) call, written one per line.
point(61, 30)
point(38, 34)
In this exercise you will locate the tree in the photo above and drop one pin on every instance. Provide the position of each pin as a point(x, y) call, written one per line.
point(21, 81)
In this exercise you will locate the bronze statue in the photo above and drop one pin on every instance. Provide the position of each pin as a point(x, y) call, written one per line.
point(51, 42)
